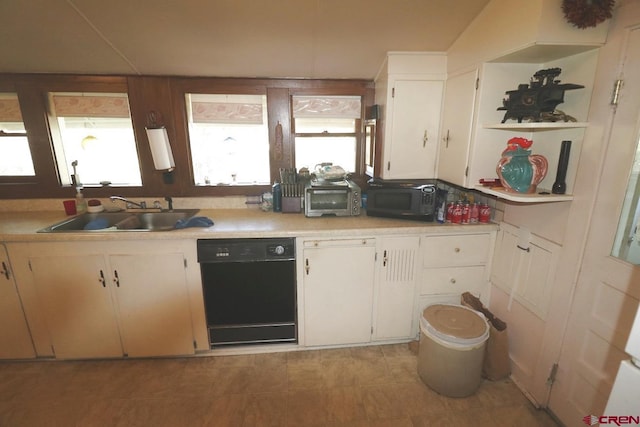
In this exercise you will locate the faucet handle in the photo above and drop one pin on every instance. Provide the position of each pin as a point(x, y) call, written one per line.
point(170, 202)
point(156, 204)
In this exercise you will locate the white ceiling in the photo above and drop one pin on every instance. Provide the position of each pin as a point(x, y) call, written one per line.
point(230, 38)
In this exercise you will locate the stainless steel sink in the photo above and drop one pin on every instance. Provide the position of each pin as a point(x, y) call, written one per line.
point(121, 221)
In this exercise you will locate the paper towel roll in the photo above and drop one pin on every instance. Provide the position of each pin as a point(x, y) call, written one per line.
point(160, 148)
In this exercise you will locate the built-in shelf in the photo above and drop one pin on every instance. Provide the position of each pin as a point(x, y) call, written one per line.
point(540, 53)
point(523, 197)
point(537, 126)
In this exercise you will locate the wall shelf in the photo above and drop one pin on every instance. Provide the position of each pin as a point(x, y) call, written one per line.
point(537, 126)
point(523, 197)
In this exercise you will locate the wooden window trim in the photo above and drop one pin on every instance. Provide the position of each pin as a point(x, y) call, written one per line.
point(165, 97)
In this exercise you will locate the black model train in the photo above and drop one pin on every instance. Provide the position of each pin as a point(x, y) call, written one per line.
point(537, 101)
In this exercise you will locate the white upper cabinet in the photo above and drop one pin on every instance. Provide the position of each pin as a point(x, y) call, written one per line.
point(473, 135)
point(457, 123)
point(409, 91)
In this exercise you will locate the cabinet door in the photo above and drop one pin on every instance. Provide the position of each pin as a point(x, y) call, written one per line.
point(397, 270)
point(411, 147)
point(525, 273)
point(153, 306)
point(338, 292)
point(15, 339)
point(457, 120)
point(75, 297)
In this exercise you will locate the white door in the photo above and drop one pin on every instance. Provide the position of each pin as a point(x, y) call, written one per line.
point(74, 294)
point(152, 304)
point(607, 289)
point(413, 148)
point(338, 292)
point(15, 338)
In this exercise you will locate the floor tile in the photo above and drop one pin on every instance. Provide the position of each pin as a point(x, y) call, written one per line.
point(370, 386)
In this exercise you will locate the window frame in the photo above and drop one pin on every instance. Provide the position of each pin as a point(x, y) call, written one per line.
point(164, 96)
point(356, 134)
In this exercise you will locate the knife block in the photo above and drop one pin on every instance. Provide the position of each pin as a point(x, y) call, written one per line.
point(292, 204)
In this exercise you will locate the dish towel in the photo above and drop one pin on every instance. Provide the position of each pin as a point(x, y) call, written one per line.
point(97, 224)
point(196, 221)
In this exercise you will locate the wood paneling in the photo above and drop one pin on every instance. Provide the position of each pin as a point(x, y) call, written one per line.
point(163, 95)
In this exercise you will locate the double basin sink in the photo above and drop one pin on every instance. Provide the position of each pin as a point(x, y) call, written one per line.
point(122, 221)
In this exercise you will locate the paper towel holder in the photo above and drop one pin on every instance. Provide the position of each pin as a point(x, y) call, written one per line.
point(160, 147)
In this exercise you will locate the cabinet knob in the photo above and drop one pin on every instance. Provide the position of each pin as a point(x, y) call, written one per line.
point(453, 280)
point(456, 250)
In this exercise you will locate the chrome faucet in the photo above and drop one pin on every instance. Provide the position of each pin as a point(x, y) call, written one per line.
point(130, 204)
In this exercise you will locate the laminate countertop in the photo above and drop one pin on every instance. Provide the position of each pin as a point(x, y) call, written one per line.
point(232, 223)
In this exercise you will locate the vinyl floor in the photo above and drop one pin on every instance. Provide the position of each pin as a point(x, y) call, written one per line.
point(375, 386)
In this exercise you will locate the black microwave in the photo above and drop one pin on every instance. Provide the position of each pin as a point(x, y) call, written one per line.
point(408, 199)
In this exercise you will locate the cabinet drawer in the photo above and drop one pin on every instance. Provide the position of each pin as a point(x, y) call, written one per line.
point(452, 280)
point(445, 251)
point(339, 243)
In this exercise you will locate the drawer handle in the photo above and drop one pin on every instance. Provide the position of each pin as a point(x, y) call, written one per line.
point(456, 250)
point(524, 249)
point(453, 280)
point(5, 270)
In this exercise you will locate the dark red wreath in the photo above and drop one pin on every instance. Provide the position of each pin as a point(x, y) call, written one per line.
point(587, 13)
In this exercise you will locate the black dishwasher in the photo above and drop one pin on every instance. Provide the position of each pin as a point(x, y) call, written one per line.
point(249, 288)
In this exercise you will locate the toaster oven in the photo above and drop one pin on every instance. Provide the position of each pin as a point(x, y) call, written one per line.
point(337, 198)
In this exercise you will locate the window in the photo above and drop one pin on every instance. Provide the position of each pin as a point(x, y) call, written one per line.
point(96, 138)
point(229, 139)
point(15, 155)
point(325, 130)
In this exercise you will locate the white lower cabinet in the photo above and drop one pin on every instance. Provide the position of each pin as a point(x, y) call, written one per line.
point(15, 338)
point(398, 263)
point(338, 282)
point(112, 300)
point(369, 290)
point(525, 267)
point(454, 264)
point(153, 307)
point(75, 298)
